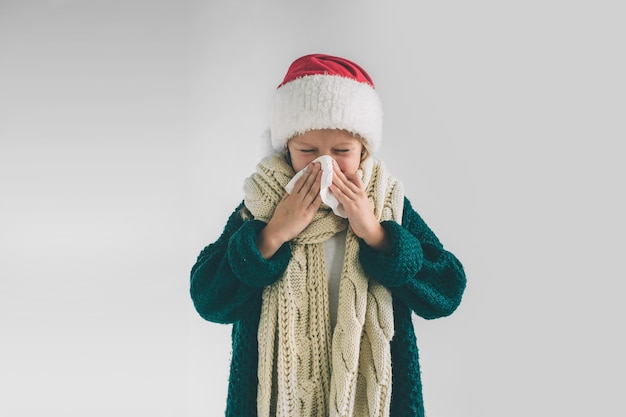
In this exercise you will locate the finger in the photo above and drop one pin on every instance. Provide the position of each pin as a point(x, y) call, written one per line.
point(301, 183)
point(356, 180)
point(344, 184)
point(348, 178)
point(314, 191)
point(298, 185)
point(313, 180)
point(316, 203)
point(338, 176)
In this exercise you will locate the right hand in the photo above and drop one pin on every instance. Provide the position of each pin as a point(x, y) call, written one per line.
point(293, 213)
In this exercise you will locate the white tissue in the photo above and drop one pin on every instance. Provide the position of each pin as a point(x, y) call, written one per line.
point(326, 163)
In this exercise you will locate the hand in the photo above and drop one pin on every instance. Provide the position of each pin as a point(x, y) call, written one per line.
point(293, 213)
point(349, 190)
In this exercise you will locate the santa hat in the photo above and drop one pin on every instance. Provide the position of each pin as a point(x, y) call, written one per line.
point(325, 92)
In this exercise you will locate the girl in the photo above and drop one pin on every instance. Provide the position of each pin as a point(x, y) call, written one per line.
point(320, 282)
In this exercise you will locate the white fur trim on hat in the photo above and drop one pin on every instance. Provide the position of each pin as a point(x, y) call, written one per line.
point(326, 102)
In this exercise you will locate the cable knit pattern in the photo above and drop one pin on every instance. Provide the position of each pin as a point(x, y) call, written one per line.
point(422, 276)
point(298, 354)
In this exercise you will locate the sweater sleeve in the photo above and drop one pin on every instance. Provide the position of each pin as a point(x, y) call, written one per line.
point(417, 269)
point(229, 275)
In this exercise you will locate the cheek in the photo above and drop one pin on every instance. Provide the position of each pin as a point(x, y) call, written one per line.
point(299, 162)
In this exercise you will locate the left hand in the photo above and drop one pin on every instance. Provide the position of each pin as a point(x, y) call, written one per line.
point(349, 190)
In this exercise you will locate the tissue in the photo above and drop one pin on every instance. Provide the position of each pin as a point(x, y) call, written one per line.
point(328, 198)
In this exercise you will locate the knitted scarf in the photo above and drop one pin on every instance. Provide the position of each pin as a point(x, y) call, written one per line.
point(302, 371)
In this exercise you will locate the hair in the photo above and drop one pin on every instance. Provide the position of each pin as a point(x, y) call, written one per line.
point(366, 152)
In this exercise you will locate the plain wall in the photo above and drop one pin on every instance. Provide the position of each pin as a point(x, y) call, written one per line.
point(127, 128)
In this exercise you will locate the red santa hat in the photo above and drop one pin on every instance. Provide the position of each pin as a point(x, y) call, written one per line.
point(325, 92)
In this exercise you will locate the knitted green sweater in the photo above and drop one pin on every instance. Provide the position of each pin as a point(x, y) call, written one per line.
point(229, 276)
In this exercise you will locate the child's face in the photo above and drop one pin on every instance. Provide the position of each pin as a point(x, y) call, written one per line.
point(340, 145)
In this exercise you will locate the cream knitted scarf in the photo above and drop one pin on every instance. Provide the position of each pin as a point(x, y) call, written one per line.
point(301, 371)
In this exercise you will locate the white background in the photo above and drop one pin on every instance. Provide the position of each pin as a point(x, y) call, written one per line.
point(127, 128)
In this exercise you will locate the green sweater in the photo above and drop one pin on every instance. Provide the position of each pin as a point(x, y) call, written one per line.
point(229, 276)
